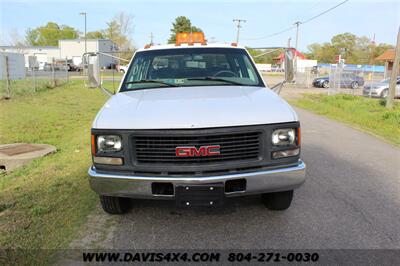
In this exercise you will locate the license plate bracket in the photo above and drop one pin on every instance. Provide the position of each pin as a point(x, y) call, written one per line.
point(200, 195)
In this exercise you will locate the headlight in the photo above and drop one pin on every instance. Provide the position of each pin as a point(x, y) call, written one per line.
point(109, 143)
point(284, 136)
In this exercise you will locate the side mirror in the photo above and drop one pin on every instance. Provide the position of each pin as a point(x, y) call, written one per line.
point(289, 67)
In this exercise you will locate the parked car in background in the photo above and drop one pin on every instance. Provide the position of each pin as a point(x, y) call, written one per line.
point(47, 67)
point(276, 68)
point(346, 80)
point(122, 69)
point(381, 89)
point(57, 67)
point(72, 66)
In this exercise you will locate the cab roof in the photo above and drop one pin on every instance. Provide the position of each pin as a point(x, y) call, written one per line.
point(195, 45)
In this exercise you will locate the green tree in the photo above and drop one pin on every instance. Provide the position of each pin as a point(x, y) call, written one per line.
point(325, 52)
point(182, 24)
point(95, 35)
point(354, 49)
point(119, 30)
point(345, 44)
point(50, 34)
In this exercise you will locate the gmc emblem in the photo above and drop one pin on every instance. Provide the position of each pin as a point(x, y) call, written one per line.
point(192, 151)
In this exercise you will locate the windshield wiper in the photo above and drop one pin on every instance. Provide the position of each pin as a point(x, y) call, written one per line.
point(217, 79)
point(150, 81)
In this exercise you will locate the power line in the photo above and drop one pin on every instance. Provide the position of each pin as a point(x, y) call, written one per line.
point(300, 22)
point(326, 11)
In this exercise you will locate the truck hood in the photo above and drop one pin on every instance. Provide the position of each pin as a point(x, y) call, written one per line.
point(193, 107)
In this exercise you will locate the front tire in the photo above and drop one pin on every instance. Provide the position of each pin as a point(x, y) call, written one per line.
point(114, 205)
point(277, 201)
point(325, 84)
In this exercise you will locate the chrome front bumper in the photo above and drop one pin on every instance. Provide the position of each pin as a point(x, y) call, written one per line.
point(264, 181)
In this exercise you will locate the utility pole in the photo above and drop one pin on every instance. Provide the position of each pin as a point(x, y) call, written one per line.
point(393, 76)
point(151, 38)
point(297, 23)
point(84, 14)
point(238, 21)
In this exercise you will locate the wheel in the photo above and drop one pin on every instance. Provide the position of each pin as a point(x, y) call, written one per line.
point(277, 201)
point(354, 85)
point(122, 71)
point(384, 93)
point(325, 84)
point(114, 205)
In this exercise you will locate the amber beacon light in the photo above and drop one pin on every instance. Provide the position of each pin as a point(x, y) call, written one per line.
point(190, 38)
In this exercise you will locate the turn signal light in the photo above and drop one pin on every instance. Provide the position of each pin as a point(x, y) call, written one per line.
point(108, 160)
point(298, 136)
point(93, 143)
point(286, 153)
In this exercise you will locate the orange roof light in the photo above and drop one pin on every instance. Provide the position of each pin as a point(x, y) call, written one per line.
point(234, 44)
point(147, 46)
point(190, 38)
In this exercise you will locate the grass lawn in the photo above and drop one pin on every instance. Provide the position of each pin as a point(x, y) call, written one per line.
point(360, 112)
point(42, 205)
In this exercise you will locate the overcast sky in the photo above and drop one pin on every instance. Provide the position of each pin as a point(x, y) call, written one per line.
point(367, 18)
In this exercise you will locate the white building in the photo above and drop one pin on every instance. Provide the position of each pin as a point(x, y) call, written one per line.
point(74, 49)
point(66, 49)
point(44, 54)
point(304, 65)
point(264, 67)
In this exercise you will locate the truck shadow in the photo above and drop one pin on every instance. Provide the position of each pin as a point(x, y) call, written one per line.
point(339, 206)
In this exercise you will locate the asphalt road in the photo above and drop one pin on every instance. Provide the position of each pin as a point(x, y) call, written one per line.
point(351, 199)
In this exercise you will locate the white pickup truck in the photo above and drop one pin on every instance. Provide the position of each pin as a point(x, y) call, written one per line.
point(195, 123)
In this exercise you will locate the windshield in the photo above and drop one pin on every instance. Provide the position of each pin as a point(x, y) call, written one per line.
point(191, 67)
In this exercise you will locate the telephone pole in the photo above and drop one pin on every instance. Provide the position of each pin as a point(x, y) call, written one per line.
point(151, 38)
point(393, 76)
point(238, 21)
point(297, 23)
point(85, 14)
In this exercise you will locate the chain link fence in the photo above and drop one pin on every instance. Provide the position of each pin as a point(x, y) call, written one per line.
point(37, 77)
point(337, 78)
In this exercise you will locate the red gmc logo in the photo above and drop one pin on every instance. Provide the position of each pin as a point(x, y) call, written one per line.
point(192, 151)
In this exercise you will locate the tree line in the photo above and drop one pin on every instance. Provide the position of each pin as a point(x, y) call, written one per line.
point(119, 30)
point(353, 49)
